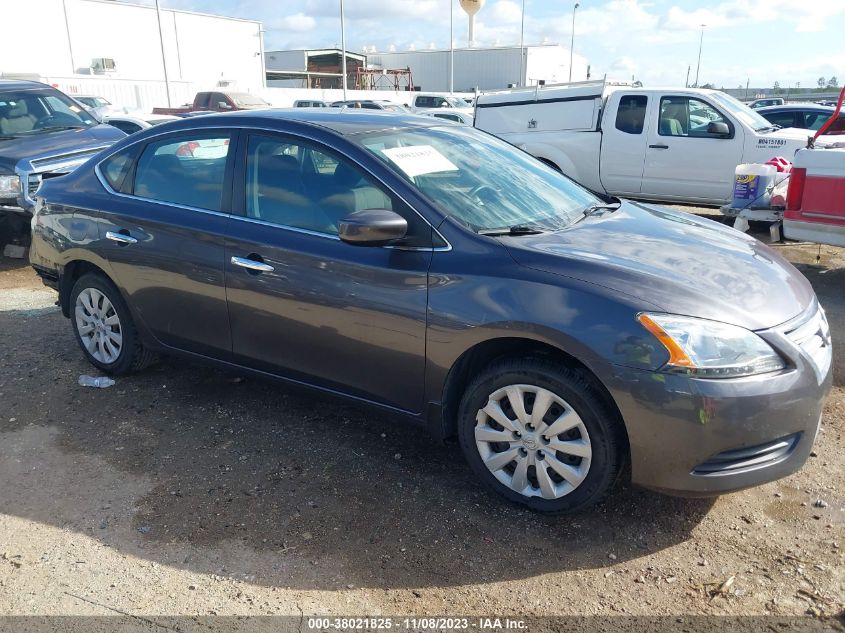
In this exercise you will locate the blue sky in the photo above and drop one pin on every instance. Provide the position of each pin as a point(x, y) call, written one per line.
point(765, 41)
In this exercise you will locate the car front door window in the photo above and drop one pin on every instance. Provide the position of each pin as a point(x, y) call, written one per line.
point(298, 185)
point(685, 116)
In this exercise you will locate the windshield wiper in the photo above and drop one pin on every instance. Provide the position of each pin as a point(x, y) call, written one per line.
point(596, 209)
point(516, 229)
point(56, 128)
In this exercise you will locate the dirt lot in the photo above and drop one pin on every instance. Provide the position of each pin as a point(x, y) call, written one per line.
point(186, 490)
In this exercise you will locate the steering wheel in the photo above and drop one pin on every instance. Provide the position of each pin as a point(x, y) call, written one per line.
point(476, 192)
point(46, 121)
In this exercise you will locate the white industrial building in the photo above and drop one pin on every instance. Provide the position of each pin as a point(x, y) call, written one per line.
point(113, 48)
point(485, 68)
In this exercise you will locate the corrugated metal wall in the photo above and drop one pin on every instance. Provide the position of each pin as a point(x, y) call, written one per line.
point(484, 68)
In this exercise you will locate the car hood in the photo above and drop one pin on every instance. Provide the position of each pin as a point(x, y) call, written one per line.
point(674, 261)
point(55, 143)
point(794, 134)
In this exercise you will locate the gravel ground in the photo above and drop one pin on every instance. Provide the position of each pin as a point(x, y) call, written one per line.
point(187, 490)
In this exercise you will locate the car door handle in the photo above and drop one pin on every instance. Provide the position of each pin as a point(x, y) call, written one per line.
point(120, 238)
point(659, 146)
point(252, 264)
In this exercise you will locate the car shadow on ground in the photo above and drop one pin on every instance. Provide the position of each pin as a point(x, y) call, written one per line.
point(193, 467)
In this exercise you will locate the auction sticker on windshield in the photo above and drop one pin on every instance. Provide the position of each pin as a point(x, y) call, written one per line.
point(417, 160)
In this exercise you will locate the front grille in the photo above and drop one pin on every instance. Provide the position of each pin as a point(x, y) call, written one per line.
point(48, 167)
point(812, 337)
point(752, 457)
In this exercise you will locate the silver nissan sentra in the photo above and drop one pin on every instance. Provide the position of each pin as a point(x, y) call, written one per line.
point(441, 274)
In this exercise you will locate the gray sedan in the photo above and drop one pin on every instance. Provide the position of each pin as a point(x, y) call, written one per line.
point(438, 273)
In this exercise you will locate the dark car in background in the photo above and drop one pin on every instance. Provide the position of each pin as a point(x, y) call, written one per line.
point(445, 276)
point(43, 134)
point(807, 116)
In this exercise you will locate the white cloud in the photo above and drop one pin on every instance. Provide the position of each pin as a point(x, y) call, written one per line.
point(298, 22)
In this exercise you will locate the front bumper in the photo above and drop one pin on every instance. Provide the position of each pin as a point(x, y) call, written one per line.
point(695, 437)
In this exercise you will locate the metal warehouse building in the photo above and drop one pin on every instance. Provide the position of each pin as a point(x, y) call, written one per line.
point(485, 68)
point(79, 44)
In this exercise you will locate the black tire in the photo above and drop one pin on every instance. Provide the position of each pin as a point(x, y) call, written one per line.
point(576, 388)
point(133, 356)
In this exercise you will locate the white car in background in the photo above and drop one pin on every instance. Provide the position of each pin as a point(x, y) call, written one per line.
point(449, 114)
point(135, 122)
point(99, 106)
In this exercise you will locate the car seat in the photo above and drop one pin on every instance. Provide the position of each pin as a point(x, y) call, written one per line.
point(16, 119)
point(672, 120)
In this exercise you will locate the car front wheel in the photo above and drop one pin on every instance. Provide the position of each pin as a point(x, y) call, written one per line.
point(541, 434)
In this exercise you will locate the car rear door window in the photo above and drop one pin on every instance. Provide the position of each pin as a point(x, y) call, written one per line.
point(185, 170)
point(116, 168)
point(630, 118)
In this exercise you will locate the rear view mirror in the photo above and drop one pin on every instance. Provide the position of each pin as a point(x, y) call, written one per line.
point(718, 128)
point(372, 227)
point(223, 105)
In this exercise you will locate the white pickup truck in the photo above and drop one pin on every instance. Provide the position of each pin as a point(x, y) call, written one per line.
point(669, 145)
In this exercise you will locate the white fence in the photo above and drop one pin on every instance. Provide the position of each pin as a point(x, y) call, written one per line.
point(144, 95)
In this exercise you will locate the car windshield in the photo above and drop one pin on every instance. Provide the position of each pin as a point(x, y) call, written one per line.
point(741, 111)
point(479, 180)
point(29, 112)
point(457, 102)
point(93, 102)
point(244, 99)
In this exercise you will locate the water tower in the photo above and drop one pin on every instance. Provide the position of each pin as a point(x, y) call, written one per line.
point(471, 7)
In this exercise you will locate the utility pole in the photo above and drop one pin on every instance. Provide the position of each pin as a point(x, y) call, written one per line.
point(522, 57)
point(686, 85)
point(451, 46)
point(700, 45)
point(163, 59)
point(69, 45)
point(747, 84)
point(572, 41)
point(342, 47)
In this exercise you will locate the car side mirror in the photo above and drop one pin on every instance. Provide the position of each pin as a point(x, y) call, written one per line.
point(372, 227)
point(223, 105)
point(718, 128)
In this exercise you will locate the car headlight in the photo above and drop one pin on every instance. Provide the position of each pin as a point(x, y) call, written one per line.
point(709, 349)
point(10, 186)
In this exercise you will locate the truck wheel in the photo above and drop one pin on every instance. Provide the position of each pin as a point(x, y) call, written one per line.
point(540, 434)
point(104, 328)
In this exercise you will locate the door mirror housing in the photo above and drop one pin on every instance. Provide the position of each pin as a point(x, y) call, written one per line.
point(372, 227)
point(223, 105)
point(718, 128)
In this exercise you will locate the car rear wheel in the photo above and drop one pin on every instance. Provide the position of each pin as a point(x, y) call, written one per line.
point(541, 434)
point(104, 328)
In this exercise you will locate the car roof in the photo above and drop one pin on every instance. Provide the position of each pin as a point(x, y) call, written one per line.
point(789, 107)
point(340, 121)
point(20, 84)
